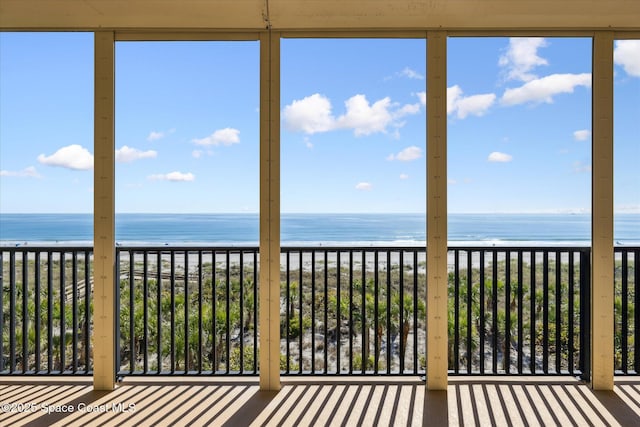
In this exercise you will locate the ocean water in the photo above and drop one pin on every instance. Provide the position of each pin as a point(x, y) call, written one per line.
point(315, 229)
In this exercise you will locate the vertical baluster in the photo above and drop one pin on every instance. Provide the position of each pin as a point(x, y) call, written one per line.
point(507, 313)
point(558, 312)
point(145, 310)
point(117, 338)
point(12, 312)
point(469, 312)
point(74, 312)
point(63, 330)
point(287, 309)
point(87, 310)
point(200, 314)
point(172, 319)
point(364, 325)
point(159, 309)
point(255, 311)
point(376, 344)
point(228, 306)
point(132, 316)
point(214, 308)
point(37, 309)
point(326, 312)
point(570, 309)
point(494, 314)
point(313, 311)
point(241, 336)
point(351, 328)
point(187, 356)
point(532, 314)
point(545, 312)
point(520, 310)
point(481, 329)
point(50, 347)
point(636, 322)
point(388, 326)
point(300, 289)
point(416, 360)
point(401, 312)
point(339, 312)
point(624, 339)
point(25, 312)
point(456, 311)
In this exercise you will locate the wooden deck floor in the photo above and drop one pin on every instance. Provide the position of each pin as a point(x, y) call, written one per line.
point(353, 401)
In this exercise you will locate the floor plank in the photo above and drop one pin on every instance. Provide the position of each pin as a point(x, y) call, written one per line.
point(312, 401)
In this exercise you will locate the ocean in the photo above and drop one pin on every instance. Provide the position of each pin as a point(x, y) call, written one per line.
point(315, 229)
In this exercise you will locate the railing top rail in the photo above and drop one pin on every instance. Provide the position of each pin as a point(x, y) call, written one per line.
point(299, 248)
point(186, 248)
point(44, 248)
point(518, 248)
point(626, 248)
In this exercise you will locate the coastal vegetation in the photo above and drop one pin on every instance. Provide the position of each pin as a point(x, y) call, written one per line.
point(516, 314)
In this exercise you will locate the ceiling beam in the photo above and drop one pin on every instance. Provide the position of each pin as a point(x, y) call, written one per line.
point(292, 15)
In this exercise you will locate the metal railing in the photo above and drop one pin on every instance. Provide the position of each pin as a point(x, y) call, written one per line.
point(627, 310)
point(46, 310)
point(353, 310)
point(519, 311)
point(344, 310)
point(187, 310)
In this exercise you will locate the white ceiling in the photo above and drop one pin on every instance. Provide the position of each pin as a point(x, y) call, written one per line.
point(320, 14)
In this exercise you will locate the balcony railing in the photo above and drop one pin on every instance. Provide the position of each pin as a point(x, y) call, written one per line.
point(627, 311)
point(344, 310)
point(46, 310)
point(187, 310)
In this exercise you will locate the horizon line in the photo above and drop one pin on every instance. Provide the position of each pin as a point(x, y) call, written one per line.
point(553, 212)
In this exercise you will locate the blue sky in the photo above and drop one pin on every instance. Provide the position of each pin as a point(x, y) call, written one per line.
point(353, 123)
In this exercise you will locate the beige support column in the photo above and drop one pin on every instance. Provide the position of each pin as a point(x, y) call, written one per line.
point(269, 328)
point(104, 368)
point(437, 210)
point(602, 257)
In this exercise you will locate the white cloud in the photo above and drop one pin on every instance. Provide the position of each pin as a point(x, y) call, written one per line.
point(498, 157)
point(364, 118)
point(476, 105)
point(545, 88)
point(154, 136)
point(128, 154)
point(28, 172)
point(226, 136)
point(422, 96)
point(521, 57)
point(310, 115)
point(452, 182)
point(364, 186)
point(314, 114)
point(407, 155)
point(308, 143)
point(453, 94)
point(463, 106)
point(173, 176)
point(412, 74)
point(196, 154)
point(72, 156)
point(581, 135)
point(627, 55)
point(406, 109)
point(404, 176)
